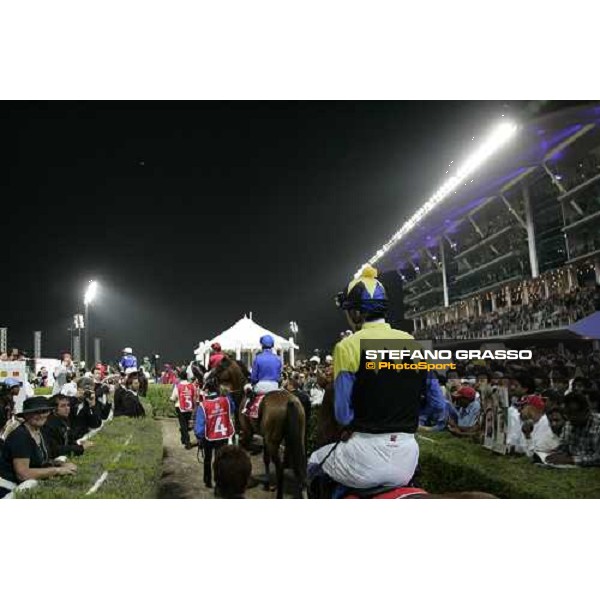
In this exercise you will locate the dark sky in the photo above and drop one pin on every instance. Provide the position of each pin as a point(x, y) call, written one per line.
point(191, 214)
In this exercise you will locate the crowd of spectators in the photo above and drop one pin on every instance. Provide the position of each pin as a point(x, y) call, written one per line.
point(558, 310)
point(554, 411)
point(38, 437)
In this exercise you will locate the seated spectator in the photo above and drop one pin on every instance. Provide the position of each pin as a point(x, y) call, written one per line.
point(24, 454)
point(10, 389)
point(232, 472)
point(556, 420)
point(536, 427)
point(580, 439)
point(119, 393)
point(129, 402)
point(468, 409)
point(435, 409)
point(57, 431)
point(85, 413)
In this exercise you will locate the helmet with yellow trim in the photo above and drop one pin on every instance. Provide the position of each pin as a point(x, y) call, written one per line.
point(365, 294)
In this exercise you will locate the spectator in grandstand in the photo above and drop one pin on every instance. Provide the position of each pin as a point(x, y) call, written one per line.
point(468, 409)
point(536, 427)
point(232, 472)
point(580, 439)
point(57, 430)
point(85, 413)
point(24, 454)
point(129, 402)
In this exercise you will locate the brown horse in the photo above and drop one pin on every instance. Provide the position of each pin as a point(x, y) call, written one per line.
point(328, 431)
point(281, 418)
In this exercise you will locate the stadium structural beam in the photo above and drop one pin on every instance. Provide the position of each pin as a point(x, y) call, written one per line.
point(564, 144)
point(475, 226)
point(444, 276)
point(485, 241)
point(513, 212)
point(553, 179)
point(533, 259)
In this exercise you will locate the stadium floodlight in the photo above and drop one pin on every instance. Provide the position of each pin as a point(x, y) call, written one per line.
point(90, 293)
point(498, 137)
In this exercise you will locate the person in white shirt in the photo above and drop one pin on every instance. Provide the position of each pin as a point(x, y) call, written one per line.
point(536, 429)
point(70, 387)
point(60, 373)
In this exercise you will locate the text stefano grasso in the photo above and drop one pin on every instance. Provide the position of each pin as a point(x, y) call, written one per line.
point(448, 355)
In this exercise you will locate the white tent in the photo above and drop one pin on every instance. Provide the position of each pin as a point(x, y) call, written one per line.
point(244, 337)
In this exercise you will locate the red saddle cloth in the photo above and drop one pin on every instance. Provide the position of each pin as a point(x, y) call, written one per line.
point(252, 406)
point(394, 494)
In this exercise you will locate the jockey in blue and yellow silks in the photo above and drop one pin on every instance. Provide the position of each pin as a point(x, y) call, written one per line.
point(379, 408)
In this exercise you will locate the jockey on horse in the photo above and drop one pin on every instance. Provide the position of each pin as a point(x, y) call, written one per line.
point(379, 410)
point(266, 368)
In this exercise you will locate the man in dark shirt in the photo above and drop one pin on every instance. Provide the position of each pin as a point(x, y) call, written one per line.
point(580, 438)
point(57, 432)
point(85, 411)
point(101, 392)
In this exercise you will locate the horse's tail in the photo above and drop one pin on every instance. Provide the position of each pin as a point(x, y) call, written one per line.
point(294, 439)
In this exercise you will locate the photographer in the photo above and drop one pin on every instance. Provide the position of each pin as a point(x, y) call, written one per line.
point(85, 411)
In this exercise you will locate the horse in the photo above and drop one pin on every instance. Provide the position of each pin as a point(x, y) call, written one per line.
point(281, 418)
point(329, 431)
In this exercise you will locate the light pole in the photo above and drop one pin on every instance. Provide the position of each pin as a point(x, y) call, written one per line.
point(90, 294)
point(294, 329)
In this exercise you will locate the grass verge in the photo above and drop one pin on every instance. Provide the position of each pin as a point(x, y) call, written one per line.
point(451, 464)
point(135, 474)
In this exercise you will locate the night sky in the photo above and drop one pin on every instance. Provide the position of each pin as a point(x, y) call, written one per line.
point(191, 214)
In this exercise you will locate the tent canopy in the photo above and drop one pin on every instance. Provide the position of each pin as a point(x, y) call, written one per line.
point(244, 336)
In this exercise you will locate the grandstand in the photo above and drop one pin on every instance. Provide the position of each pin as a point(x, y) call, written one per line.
point(512, 247)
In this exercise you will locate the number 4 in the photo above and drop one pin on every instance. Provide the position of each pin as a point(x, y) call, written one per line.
point(220, 426)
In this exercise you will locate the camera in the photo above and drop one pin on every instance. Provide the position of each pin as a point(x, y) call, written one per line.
point(87, 395)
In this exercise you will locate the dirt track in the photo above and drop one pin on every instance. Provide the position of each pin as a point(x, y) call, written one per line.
point(182, 473)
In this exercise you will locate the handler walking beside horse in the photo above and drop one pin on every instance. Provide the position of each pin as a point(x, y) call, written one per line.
point(214, 425)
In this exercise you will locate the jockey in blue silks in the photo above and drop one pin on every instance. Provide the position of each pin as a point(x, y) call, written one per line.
point(267, 367)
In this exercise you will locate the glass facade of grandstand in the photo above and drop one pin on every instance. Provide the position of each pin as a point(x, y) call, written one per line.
point(518, 250)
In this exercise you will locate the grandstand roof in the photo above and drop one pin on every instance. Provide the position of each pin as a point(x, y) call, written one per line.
point(538, 141)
